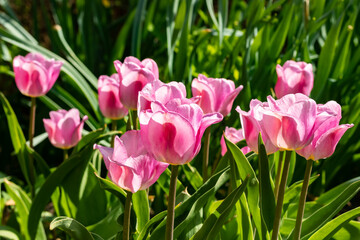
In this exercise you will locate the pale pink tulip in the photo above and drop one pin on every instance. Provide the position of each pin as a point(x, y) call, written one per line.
point(217, 94)
point(129, 165)
point(134, 75)
point(250, 122)
point(64, 128)
point(159, 91)
point(294, 77)
point(109, 97)
point(173, 131)
point(34, 74)
point(233, 135)
point(327, 132)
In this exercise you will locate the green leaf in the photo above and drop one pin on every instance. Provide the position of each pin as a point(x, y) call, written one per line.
point(52, 182)
point(23, 203)
point(141, 208)
point(72, 227)
point(216, 220)
point(112, 187)
point(326, 58)
point(137, 28)
point(349, 231)
point(192, 175)
point(330, 228)
point(9, 233)
point(330, 204)
point(164, 182)
point(245, 169)
point(267, 198)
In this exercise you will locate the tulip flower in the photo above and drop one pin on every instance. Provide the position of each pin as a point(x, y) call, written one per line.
point(173, 131)
point(294, 77)
point(64, 128)
point(217, 94)
point(159, 91)
point(134, 75)
point(34, 74)
point(129, 165)
point(234, 135)
point(327, 132)
point(250, 122)
point(109, 97)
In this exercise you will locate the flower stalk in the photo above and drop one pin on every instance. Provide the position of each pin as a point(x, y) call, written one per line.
point(281, 194)
point(301, 207)
point(171, 203)
point(31, 136)
point(113, 128)
point(66, 154)
point(207, 135)
point(127, 211)
point(278, 174)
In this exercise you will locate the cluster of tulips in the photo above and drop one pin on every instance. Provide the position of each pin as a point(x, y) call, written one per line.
point(172, 125)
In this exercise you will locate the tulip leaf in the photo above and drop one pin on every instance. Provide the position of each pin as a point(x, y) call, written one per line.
point(349, 231)
point(327, 206)
point(112, 188)
point(267, 198)
point(330, 228)
point(164, 182)
point(108, 227)
point(326, 57)
point(216, 220)
point(192, 175)
point(245, 169)
point(141, 208)
point(9, 233)
point(215, 182)
point(51, 183)
point(23, 203)
point(73, 228)
point(84, 141)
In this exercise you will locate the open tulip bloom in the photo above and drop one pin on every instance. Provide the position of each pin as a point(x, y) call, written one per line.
point(134, 75)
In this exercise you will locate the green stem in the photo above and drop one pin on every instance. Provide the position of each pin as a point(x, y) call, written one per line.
point(278, 174)
point(306, 14)
point(301, 208)
point(171, 203)
point(281, 194)
point(134, 120)
point(31, 136)
point(66, 154)
point(113, 128)
point(127, 211)
point(206, 154)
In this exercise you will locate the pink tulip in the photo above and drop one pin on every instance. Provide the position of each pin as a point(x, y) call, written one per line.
point(173, 131)
point(109, 97)
point(134, 75)
point(250, 122)
point(217, 94)
point(64, 128)
point(327, 132)
point(129, 165)
point(34, 74)
point(159, 91)
point(294, 77)
point(235, 136)
point(289, 121)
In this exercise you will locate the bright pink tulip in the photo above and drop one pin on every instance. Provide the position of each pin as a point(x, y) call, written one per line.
point(129, 165)
point(34, 74)
point(109, 97)
point(250, 122)
point(235, 136)
point(159, 91)
point(294, 77)
point(134, 75)
point(289, 121)
point(173, 131)
point(327, 132)
point(64, 127)
point(217, 94)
